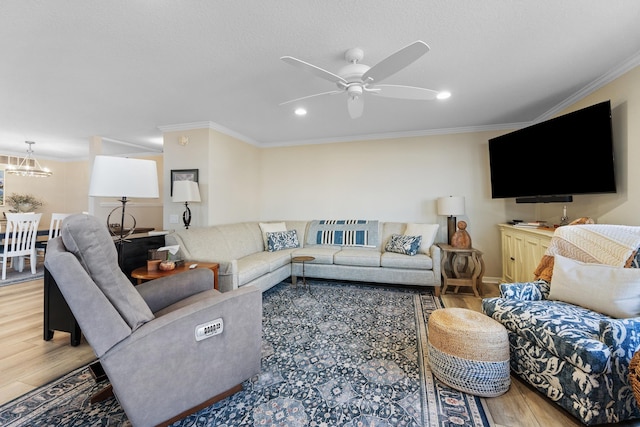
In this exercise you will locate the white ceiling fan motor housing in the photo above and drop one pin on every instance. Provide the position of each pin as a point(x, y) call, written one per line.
point(353, 72)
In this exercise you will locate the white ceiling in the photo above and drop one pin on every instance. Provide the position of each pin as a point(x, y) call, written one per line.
point(124, 69)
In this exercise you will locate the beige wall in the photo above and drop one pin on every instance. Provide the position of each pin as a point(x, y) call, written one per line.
point(65, 191)
point(228, 171)
point(388, 180)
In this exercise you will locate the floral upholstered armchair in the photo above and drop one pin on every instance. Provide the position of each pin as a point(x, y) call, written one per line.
point(572, 337)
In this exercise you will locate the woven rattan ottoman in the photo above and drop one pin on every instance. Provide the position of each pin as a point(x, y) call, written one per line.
point(469, 351)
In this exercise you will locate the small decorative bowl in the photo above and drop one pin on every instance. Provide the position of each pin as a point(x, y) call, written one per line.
point(167, 265)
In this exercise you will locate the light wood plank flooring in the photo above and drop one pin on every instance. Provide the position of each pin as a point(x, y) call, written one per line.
point(27, 361)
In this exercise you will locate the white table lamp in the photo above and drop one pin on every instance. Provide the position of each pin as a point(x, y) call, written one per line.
point(451, 206)
point(123, 177)
point(186, 191)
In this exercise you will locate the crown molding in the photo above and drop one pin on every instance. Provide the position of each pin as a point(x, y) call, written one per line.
point(208, 125)
point(598, 83)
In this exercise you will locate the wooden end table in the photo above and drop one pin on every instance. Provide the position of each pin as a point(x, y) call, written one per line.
point(142, 274)
point(461, 267)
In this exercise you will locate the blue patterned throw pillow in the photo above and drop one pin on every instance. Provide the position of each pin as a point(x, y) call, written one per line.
point(635, 262)
point(279, 240)
point(402, 244)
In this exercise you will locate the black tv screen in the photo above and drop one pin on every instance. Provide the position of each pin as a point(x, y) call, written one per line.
point(567, 155)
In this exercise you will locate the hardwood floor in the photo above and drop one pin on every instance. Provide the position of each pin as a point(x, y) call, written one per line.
point(27, 361)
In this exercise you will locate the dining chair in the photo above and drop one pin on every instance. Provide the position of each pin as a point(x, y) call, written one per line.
point(20, 241)
point(54, 231)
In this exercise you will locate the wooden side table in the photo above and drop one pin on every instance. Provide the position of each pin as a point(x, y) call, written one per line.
point(461, 267)
point(142, 274)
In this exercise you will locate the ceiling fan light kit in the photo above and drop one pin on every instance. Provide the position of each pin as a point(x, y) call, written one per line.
point(356, 79)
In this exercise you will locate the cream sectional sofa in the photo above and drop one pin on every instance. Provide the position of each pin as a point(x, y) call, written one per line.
point(241, 251)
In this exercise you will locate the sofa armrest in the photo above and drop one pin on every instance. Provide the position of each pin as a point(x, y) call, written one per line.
point(621, 335)
point(525, 291)
point(169, 358)
point(436, 257)
point(162, 292)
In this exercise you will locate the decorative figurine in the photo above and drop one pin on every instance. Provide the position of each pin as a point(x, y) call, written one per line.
point(167, 265)
point(461, 238)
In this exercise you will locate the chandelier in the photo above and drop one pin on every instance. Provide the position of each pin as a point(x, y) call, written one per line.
point(29, 166)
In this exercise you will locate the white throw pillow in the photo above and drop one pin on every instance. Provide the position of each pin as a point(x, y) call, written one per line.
point(428, 233)
point(614, 291)
point(270, 227)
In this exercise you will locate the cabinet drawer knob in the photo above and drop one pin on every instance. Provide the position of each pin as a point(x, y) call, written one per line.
point(512, 259)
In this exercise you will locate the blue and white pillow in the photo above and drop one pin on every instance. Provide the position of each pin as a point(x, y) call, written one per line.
point(402, 244)
point(279, 240)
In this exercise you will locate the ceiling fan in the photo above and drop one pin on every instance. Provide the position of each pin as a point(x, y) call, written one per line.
point(356, 79)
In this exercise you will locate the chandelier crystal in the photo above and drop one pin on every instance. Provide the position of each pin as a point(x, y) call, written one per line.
point(29, 166)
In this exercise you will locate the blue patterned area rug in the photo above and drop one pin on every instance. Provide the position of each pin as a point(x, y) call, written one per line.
point(343, 354)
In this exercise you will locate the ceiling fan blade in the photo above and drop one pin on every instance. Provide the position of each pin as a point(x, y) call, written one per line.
point(405, 92)
point(396, 61)
point(332, 92)
point(355, 104)
point(317, 71)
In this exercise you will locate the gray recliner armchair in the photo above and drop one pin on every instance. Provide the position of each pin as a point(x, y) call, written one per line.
point(146, 337)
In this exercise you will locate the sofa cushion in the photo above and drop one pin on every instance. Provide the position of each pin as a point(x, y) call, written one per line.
point(365, 257)
point(279, 240)
point(241, 239)
point(399, 243)
point(565, 330)
point(88, 239)
point(270, 227)
point(274, 260)
point(416, 262)
point(428, 233)
point(614, 291)
point(323, 254)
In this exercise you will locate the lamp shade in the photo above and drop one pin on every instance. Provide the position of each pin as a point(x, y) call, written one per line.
point(124, 177)
point(451, 206)
point(185, 191)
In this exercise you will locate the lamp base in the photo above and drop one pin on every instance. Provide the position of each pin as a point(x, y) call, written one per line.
point(451, 228)
point(186, 215)
point(119, 231)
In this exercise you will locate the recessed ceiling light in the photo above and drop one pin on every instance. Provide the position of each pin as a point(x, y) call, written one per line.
point(301, 112)
point(443, 95)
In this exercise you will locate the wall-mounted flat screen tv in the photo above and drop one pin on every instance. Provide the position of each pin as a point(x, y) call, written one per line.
point(553, 160)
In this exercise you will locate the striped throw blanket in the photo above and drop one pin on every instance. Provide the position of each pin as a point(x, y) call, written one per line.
point(608, 244)
point(343, 232)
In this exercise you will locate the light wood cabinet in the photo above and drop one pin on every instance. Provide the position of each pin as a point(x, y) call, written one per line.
point(522, 249)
